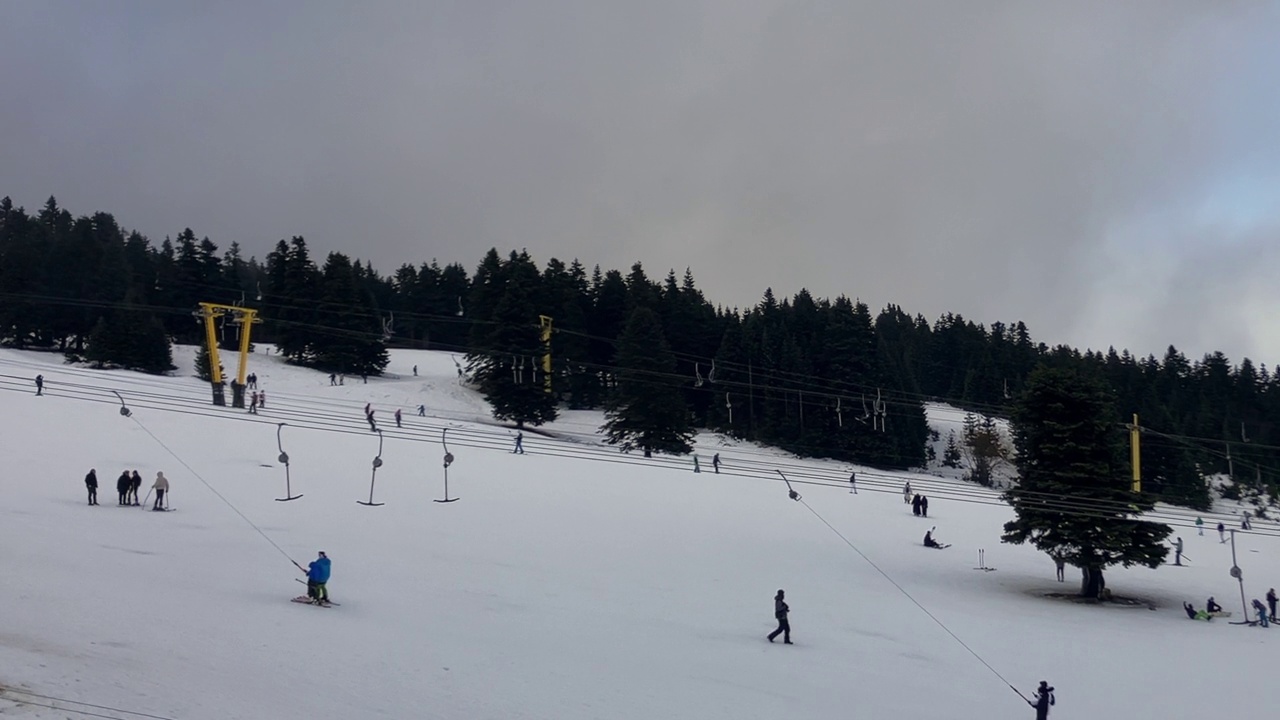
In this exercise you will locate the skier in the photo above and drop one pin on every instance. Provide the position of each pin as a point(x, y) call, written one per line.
point(1259, 608)
point(1222, 532)
point(1200, 525)
point(853, 483)
point(398, 417)
point(1061, 563)
point(91, 483)
point(1211, 606)
point(915, 505)
point(39, 384)
point(368, 408)
point(317, 572)
point(1271, 601)
point(253, 404)
point(780, 611)
point(519, 443)
point(161, 486)
point(123, 483)
point(333, 379)
point(135, 484)
point(906, 492)
point(715, 463)
point(924, 506)
point(1043, 699)
point(929, 542)
point(422, 411)
point(1177, 552)
point(372, 425)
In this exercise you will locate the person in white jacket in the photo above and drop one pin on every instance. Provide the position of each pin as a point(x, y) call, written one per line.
point(161, 487)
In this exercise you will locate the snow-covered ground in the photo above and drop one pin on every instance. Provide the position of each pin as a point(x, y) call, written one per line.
point(569, 583)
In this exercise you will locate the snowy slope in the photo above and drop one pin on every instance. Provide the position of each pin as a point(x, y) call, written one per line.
point(569, 583)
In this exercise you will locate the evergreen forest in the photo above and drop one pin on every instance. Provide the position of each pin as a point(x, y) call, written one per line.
point(820, 377)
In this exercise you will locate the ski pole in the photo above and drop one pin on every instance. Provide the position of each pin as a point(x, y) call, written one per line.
point(144, 502)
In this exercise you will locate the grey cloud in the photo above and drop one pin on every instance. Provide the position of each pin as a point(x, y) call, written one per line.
point(1002, 160)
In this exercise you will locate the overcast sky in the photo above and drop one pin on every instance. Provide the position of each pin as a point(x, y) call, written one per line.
point(1107, 172)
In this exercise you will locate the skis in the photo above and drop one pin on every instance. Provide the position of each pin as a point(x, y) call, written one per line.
point(304, 600)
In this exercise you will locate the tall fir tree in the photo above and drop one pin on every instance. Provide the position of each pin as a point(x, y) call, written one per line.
point(647, 410)
point(1073, 498)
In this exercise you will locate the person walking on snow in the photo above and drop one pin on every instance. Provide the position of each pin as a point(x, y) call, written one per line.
point(91, 484)
point(123, 483)
point(1222, 533)
point(906, 493)
point(372, 425)
point(39, 384)
point(161, 487)
point(317, 572)
point(1177, 551)
point(1271, 602)
point(1041, 700)
point(715, 463)
point(135, 484)
point(398, 417)
point(253, 404)
point(780, 611)
point(519, 444)
point(333, 379)
point(422, 411)
point(1200, 525)
point(853, 483)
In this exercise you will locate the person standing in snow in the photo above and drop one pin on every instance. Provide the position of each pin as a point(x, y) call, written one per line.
point(1222, 533)
point(1041, 700)
point(398, 417)
point(1061, 563)
point(91, 484)
point(415, 371)
point(123, 483)
point(1262, 612)
point(1244, 521)
point(333, 379)
point(317, 572)
point(253, 404)
point(1271, 602)
point(135, 484)
point(262, 399)
point(715, 463)
point(906, 493)
point(853, 482)
point(780, 611)
point(519, 444)
point(1200, 525)
point(924, 506)
point(1177, 551)
point(915, 506)
point(161, 487)
point(422, 411)
point(39, 384)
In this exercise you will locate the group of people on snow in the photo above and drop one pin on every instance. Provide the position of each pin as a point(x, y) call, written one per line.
point(920, 506)
point(127, 486)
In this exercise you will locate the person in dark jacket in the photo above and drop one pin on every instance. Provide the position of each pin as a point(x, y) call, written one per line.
point(1212, 605)
point(123, 483)
point(915, 505)
point(924, 506)
point(1041, 700)
point(318, 572)
point(780, 611)
point(91, 483)
point(1271, 602)
point(39, 384)
point(135, 484)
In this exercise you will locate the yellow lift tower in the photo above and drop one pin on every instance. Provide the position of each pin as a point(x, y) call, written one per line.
point(246, 318)
point(544, 323)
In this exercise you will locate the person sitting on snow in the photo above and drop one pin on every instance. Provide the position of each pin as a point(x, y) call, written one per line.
point(928, 539)
point(1194, 614)
point(1211, 606)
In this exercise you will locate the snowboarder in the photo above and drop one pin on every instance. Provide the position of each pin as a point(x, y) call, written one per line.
point(1194, 614)
point(135, 484)
point(398, 417)
point(906, 493)
point(1222, 533)
point(161, 487)
point(91, 483)
point(1177, 551)
point(123, 483)
point(1061, 564)
point(415, 371)
point(853, 483)
point(373, 426)
point(915, 506)
point(39, 384)
point(780, 611)
point(519, 444)
point(1042, 700)
point(422, 411)
point(715, 463)
point(1271, 602)
point(333, 379)
point(1200, 525)
point(317, 572)
point(929, 542)
point(924, 506)
point(1259, 608)
point(1211, 606)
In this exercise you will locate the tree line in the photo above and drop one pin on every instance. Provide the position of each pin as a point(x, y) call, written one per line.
point(815, 376)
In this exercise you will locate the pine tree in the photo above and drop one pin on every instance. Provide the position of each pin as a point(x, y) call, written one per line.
point(508, 367)
point(1073, 498)
point(646, 410)
point(951, 454)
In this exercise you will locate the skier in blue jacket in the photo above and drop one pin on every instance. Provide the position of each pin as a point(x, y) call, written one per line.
point(317, 575)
